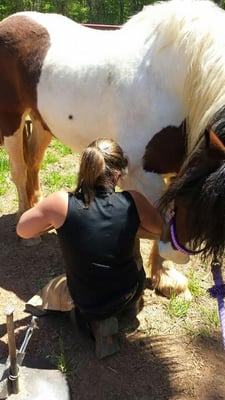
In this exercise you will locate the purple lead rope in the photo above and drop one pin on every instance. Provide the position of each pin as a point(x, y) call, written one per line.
point(218, 291)
point(175, 242)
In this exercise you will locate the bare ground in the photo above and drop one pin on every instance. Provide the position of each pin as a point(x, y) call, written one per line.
point(158, 360)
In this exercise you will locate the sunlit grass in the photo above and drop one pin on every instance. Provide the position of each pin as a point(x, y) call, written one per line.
point(54, 181)
point(4, 172)
point(58, 171)
point(4, 161)
point(194, 284)
point(210, 316)
point(177, 307)
point(4, 186)
point(204, 319)
point(54, 153)
point(58, 147)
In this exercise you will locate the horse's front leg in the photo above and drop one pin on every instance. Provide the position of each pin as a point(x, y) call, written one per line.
point(165, 278)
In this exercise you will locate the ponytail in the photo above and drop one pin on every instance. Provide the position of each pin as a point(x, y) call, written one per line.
point(99, 162)
point(92, 166)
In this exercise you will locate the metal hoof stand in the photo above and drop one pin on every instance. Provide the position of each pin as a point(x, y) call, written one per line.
point(25, 382)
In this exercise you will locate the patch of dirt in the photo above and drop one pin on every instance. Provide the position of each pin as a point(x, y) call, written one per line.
point(158, 360)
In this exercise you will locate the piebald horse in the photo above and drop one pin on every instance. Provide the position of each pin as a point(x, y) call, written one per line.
point(156, 86)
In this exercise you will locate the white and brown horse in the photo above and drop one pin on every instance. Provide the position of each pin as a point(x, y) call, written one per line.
point(136, 85)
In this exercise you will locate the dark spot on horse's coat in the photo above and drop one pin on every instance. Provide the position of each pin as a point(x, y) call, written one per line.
point(110, 78)
point(70, 116)
point(23, 47)
point(165, 152)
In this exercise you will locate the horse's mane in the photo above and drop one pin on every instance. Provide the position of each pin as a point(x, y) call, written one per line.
point(206, 198)
point(196, 30)
point(202, 188)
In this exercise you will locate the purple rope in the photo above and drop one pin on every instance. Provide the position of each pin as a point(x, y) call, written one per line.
point(175, 242)
point(218, 291)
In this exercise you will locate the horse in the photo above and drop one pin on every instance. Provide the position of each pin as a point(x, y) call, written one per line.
point(156, 86)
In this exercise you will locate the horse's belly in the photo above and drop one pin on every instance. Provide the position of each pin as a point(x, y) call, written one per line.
point(79, 133)
point(78, 121)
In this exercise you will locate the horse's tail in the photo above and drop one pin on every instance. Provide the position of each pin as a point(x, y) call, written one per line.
point(27, 132)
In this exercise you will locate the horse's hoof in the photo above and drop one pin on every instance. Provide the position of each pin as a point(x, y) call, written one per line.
point(185, 295)
point(169, 291)
point(172, 282)
point(31, 242)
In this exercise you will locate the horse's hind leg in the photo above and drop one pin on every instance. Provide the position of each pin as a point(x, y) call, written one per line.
point(26, 151)
point(35, 143)
point(18, 168)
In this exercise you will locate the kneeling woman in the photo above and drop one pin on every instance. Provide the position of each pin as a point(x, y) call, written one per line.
point(96, 228)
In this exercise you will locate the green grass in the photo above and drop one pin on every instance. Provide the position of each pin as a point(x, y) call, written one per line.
point(60, 148)
point(203, 327)
point(54, 153)
point(177, 307)
point(199, 317)
point(56, 173)
point(194, 284)
point(4, 161)
point(54, 181)
point(4, 172)
point(4, 186)
point(62, 361)
point(210, 316)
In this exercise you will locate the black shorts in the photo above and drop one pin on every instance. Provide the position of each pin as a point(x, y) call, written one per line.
point(117, 305)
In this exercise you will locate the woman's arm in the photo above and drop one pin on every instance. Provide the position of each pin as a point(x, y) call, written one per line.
point(48, 214)
point(148, 214)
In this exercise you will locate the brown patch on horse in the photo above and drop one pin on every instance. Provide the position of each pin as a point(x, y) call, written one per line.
point(165, 152)
point(23, 47)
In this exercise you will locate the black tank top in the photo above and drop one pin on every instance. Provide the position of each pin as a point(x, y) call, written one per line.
point(97, 245)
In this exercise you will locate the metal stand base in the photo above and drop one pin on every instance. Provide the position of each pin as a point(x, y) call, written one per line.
point(35, 383)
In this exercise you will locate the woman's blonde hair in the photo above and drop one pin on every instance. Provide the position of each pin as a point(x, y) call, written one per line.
point(99, 163)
